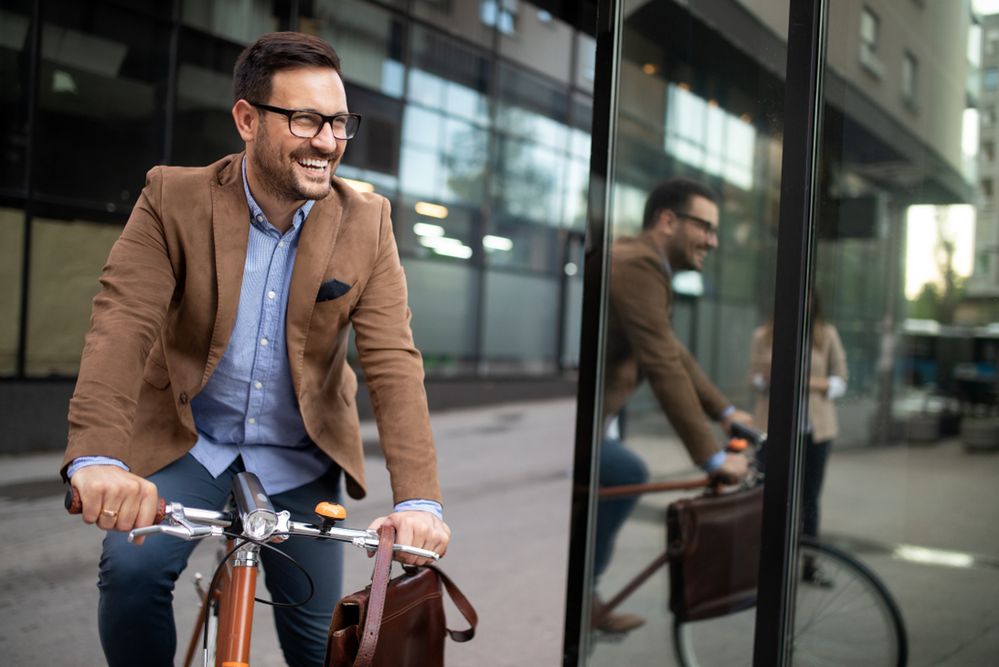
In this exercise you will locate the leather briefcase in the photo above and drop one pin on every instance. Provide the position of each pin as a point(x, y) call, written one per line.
point(714, 553)
point(397, 623)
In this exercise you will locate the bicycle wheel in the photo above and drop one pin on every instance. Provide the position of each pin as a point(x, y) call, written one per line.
point(852, 621)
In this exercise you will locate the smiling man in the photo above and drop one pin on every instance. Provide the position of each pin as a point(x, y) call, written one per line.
point(218, 344)
point(679, 229)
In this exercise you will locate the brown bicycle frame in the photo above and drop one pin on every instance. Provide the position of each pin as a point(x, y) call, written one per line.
point(235, 592)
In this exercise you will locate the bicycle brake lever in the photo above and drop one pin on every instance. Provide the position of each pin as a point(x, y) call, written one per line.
point(182, 532)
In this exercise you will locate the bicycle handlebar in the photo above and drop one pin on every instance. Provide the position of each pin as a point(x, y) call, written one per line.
point(191, 523)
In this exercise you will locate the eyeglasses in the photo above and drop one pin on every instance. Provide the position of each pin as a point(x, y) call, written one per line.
point(705, 226)
point(308, 124)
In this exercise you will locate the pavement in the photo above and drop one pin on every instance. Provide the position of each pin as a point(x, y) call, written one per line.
point(505, 471)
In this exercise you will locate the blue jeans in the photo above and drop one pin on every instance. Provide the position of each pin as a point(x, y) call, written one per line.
point(618, 466)
point(135, 613)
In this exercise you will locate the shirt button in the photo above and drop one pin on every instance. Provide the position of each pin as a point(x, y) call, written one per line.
point(280, 244)
point(182, 398)
point(260, 218)
point(258, 385)
point(271, 294)
point(252, 420)
point(263, 341)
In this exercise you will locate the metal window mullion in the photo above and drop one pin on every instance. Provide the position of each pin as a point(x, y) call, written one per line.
point(802, 131)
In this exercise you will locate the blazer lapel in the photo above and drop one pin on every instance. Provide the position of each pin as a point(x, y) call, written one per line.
point(315, 249)
point(231, 231)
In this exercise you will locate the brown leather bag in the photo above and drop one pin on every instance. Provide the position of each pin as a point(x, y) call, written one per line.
point(397, 623)
point(714, 553)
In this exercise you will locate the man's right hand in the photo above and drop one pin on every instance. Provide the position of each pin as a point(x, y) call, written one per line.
point(732, 470)
point(115, 499)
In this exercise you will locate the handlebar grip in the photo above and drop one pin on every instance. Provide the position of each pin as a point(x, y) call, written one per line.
point(740, 430)
point(74, 505)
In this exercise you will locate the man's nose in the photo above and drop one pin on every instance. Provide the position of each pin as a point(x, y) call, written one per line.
point(325, 139)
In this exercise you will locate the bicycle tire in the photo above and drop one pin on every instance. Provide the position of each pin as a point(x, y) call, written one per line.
point(854, 622)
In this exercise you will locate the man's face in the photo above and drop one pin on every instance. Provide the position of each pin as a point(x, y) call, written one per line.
point(695, 233)
point(289, 167)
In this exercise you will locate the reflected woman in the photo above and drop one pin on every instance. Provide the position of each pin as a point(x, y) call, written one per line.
point(826, 383)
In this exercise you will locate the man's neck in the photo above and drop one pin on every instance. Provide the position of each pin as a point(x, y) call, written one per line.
point(280, 212)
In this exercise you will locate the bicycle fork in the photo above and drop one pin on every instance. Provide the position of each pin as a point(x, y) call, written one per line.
point(235, 627)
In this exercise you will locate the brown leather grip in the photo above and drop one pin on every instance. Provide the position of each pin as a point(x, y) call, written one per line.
point(74, 505)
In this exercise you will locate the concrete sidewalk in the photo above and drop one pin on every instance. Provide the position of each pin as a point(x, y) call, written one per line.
point(505, 472)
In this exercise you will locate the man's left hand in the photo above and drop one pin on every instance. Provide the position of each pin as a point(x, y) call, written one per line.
point(416, 529)
point(740, 416)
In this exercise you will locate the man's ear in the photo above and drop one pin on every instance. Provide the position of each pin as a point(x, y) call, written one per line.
point(666, 222)
point(246, 119)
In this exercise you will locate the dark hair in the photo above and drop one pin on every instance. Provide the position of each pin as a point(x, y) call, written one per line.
point(673, 194)
point(273, 52)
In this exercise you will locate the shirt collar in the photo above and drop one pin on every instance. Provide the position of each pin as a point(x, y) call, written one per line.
point(257, 217)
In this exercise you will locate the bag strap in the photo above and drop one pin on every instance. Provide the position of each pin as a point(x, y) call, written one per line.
point(463, 605)
point(376, 600)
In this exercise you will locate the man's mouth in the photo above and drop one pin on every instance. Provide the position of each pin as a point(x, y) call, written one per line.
point(315, 165)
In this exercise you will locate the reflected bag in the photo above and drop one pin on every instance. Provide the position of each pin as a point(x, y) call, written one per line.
point(397, 623)
point(713, 543)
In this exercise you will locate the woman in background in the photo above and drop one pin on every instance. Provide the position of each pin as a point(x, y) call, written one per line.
point(826, 382)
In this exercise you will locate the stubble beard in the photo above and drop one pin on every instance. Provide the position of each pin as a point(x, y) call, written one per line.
point(278, 177)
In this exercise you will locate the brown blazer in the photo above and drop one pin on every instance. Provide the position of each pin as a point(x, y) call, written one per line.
point(640, 345)
point(827, 359)
point(167, 306)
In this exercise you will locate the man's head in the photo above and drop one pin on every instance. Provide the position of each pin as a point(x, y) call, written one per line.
point(277, 78)
point(684, 215)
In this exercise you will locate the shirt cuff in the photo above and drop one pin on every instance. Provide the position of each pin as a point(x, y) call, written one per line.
point(84, 461)
point(714, 462)
point(726, 412)
point(421, 505)
point(837, 387)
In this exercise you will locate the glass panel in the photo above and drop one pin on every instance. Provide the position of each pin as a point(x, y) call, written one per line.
point(444, 300)
point(367, 39)
point(102, 92)
point(238, 21)
point(11, 265)
point(520, 344)
point(66, 261)
point(696, 149)
point(15, 23)
point(896, 471)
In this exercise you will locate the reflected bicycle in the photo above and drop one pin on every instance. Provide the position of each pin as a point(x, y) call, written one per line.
point(845, 617)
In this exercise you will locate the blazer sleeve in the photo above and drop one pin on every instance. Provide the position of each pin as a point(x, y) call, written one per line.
point(837, 355)
point(640, 295)
point(393, 371)
point(137, 284)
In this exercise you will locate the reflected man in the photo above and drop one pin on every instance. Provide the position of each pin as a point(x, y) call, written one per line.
point(679, 229)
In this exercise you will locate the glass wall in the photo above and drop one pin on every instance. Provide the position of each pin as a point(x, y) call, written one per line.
point(694, 194)
point(901, 218)
point(886, 475)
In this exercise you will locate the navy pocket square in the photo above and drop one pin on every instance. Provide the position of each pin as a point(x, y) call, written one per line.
point(332, 289)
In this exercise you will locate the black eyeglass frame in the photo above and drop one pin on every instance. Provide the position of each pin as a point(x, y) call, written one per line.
point(290, 113)
point(706, 226)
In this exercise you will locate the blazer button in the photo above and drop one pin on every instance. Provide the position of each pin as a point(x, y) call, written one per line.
point(183, 398)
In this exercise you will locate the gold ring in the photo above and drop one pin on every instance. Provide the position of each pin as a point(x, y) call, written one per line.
point(111, 514)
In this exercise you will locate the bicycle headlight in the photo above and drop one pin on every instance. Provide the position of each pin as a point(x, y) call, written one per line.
point(259, 524)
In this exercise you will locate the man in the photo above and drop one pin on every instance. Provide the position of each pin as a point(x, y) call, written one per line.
point(218, 344)
point(679, 229)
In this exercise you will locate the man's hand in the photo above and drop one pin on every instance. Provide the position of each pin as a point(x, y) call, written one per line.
point(416, 529)
point(115, 499)
point(740, 416)
point(732, 470)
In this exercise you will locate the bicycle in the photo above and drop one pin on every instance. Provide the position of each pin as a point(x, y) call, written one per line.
point(249, 523)
point(848, 617)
